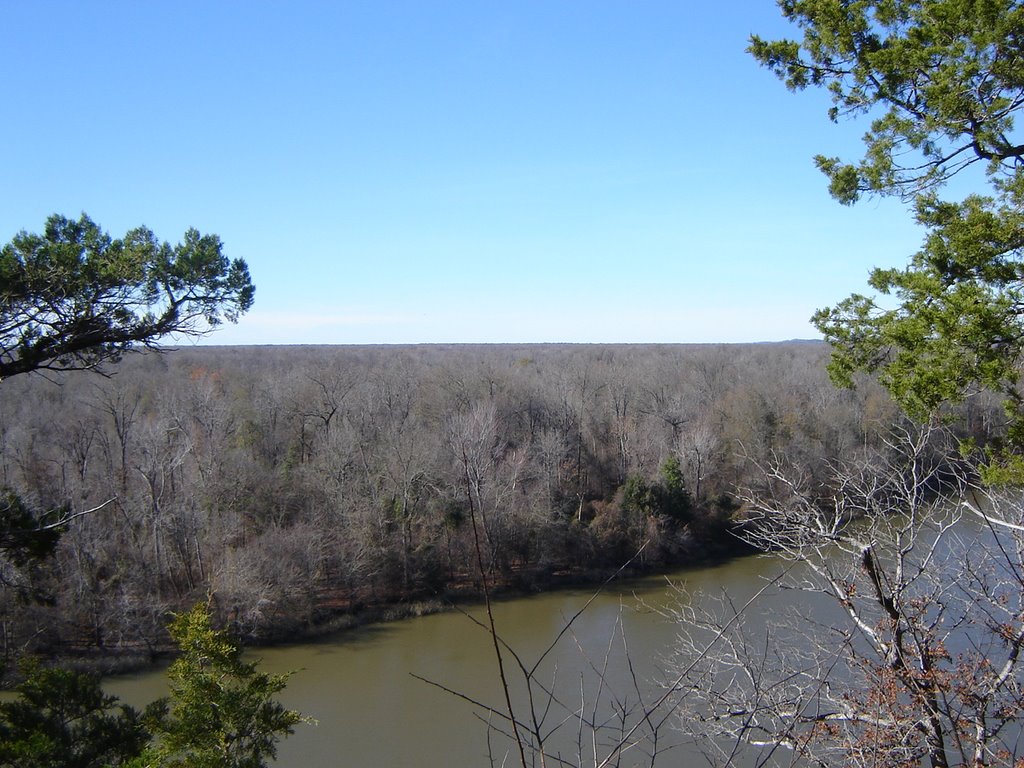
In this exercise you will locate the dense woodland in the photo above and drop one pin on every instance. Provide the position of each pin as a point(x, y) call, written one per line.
point(297, 484)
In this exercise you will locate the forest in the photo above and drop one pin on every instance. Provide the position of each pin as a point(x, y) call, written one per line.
point(303, 487)
point(205, 495)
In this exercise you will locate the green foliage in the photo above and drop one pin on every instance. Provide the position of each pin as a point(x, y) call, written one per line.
point(673, 498)
point(638, 496)
point(667, 497)
point(944, 77)
point(221, 712)
point(73, 297)
point(25, 536)
point(62, 719)
point(655, 512)
point(26, 539)
point(945, 80)
point(957, 324)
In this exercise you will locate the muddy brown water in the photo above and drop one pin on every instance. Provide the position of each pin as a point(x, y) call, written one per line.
point(371, 710)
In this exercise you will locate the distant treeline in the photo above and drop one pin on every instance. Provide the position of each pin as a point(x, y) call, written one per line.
point(294, 483)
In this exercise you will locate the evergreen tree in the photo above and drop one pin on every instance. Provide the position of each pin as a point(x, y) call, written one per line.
point(222, 712)
point(944, 82)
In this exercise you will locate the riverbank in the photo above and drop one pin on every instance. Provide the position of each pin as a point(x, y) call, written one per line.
point(338, 612)
point(363, 686)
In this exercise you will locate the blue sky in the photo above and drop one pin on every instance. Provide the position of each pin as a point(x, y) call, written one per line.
point(407, 172)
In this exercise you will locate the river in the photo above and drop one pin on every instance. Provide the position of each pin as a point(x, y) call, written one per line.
point(371, 710)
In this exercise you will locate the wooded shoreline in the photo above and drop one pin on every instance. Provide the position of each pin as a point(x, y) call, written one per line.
point(334, 621)
point(285, 484)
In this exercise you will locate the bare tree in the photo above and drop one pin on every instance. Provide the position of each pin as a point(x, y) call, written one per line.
point(591, 720)
point(698, 448)
point(902, 643)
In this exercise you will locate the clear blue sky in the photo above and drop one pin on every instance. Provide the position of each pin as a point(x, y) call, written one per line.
point(468, 171)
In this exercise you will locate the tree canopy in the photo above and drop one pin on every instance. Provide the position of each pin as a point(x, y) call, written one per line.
point(943, 81)
point(73, 297)
point(63, 718)
point(222, 712)
point(946, 76)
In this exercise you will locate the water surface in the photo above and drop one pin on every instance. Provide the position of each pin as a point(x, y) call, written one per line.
point(371, 710)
